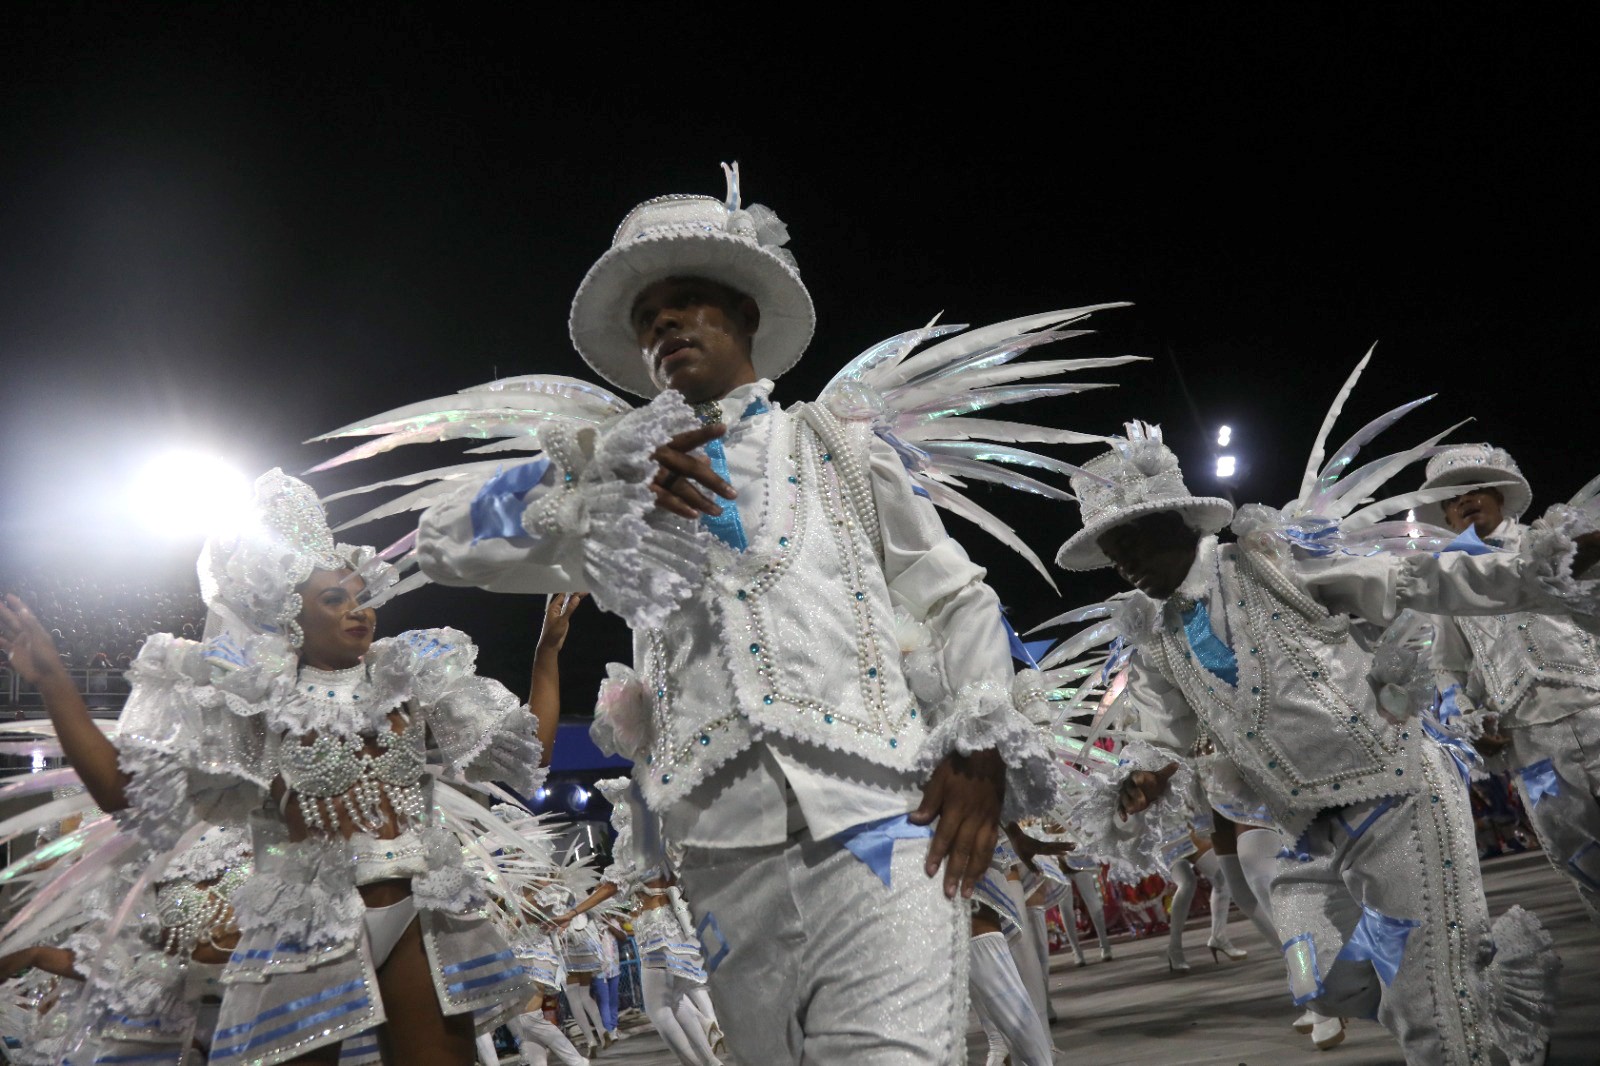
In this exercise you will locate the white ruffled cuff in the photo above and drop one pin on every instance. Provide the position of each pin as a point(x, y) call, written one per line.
point(1138, 846)
point(981, 716)
point(639, 562)
point(512, 754)
point(1549, 551)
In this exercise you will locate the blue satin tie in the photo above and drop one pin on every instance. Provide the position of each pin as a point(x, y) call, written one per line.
point(1213, 654)
point(727, 527)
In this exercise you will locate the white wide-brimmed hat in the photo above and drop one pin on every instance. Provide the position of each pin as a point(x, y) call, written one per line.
point(692, 237)
point(1469, 464)
point(1139, 476)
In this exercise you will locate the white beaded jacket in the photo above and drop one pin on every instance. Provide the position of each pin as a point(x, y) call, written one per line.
point(793, 638)
point(1299, 720)
point(1528, 667)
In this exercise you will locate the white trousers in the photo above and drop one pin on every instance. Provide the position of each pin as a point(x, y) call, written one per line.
point(1568, 821)
point(1403, 873)
point(541, 1039)
point(813, 960)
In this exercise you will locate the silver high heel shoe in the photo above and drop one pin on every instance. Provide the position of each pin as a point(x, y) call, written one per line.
point(1175, 960)
point(1224, 945)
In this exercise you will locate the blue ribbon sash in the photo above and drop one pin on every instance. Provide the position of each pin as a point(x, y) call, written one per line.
point(1380, 939)
point(873, 842)
point(1540, 780)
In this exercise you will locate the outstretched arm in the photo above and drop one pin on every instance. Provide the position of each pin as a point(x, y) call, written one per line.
point(604, 892)
point(33, 655)
point(59, 961)
point(544, 689)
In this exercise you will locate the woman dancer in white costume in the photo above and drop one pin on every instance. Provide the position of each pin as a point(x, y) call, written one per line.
point(361, 912)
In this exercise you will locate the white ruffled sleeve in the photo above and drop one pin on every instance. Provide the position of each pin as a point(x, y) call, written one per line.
point(1536, 577)
point(588, 524)
point(934, 584)
point(192, 752)
point(481, 730)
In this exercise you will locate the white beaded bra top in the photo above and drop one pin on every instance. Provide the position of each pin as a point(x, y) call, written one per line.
point(335, 776)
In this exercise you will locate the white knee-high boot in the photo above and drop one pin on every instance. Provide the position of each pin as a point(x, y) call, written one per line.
point(585, 1013)
point(1069, 919)
point(1182, 899)
point(487, 1055)
point(661, 1006)
point(1024, 955)
point(1087, 882)
point(1038, 933)
point(1210, 865)
point(1244, 897)
point(1258, 856)
point(999, 996)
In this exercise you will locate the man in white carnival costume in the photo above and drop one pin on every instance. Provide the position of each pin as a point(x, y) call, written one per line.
point(1274, 658)
point(774, 730)
point(1535, 675)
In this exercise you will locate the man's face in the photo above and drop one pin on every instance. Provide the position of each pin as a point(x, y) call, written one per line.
point(1482, 509)
point(1154, 553)
point(695, 336)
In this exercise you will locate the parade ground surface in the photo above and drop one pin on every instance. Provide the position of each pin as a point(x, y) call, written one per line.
point(1132, 1010)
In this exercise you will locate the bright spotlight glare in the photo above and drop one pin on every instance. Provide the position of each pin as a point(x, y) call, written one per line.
point(185, 493)
point(1225, 466)
point(1224, 435)
point(1411, 516)
point(38, 761)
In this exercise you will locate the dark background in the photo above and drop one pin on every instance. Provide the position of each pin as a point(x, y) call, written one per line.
point(234, 227)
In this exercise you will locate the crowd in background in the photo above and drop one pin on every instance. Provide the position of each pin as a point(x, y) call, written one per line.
point(100, 624)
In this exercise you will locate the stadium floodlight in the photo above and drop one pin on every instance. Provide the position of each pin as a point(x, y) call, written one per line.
point(579, 799)
point(1225, 465)
point(1224, 435)
point(190, 493)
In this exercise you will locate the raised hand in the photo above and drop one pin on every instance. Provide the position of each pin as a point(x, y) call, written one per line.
point(1142, 788)
point(679, 471)
point(964, 794)
point(27, 643)
point(558, 608)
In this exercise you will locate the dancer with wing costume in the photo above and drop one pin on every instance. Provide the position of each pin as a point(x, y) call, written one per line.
point(759, 552)
point(1269, 650)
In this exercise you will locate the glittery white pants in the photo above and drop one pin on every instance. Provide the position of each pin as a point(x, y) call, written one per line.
point(1568, 823)
point(1413, 859)
point(813, 960)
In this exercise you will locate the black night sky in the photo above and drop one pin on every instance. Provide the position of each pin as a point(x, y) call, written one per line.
point(235, 226)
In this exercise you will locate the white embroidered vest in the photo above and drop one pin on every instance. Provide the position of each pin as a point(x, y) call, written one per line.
point(1512, 653)
point(794, 636)
point(1302, 725)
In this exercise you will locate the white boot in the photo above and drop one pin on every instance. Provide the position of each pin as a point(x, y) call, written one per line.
point(1327, 1033)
